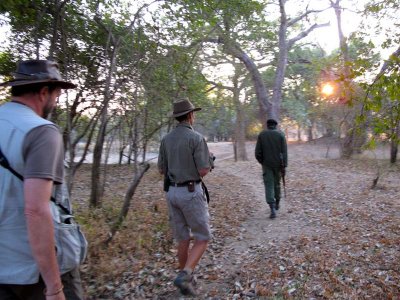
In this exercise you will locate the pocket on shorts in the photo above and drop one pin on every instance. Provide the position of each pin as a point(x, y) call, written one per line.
point(199, 198)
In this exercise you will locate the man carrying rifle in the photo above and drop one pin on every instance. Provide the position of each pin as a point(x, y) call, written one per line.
point(271, 153)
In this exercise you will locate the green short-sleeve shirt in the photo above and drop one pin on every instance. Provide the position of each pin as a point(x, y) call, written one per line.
point(183, 151)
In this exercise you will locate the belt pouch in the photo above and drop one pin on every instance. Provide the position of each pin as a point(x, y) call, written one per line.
point(190, 186)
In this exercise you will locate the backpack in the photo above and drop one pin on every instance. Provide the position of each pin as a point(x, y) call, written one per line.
point(71, 244)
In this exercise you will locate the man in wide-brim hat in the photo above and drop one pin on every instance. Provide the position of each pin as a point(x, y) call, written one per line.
point(33, 147)
point(183, 107)
point(184, 160)
point(38, 72)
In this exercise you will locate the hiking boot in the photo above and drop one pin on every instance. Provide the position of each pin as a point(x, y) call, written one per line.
point(276, 204)
point(184, 282)
point(273, 214)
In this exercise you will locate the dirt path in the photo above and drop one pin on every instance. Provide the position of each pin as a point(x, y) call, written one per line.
point(324, 198)
point(258, 231)
point(333, 238)
point(259, 227)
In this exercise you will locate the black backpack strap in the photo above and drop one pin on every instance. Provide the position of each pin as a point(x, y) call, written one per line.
point(4, 163)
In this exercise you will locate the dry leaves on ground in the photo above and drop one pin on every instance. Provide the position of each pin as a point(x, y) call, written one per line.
point(334, 237)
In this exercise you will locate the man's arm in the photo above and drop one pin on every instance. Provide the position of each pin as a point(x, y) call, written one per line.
point(41, 232)
point(204, 172)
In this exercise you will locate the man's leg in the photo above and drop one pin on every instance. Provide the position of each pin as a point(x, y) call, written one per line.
point(195, 254)
point(277, 187)
point(183, 253)
point(197, 216)
point(268, 177)
point(189, 258)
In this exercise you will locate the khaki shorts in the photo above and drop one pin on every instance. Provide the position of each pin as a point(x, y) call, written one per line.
point(188, 213)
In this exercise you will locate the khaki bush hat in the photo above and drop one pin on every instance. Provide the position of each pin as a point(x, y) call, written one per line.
point(183, 107)
point(38, 71)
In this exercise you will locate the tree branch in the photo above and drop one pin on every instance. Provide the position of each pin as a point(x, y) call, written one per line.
point(304, 33)
point(298, 18)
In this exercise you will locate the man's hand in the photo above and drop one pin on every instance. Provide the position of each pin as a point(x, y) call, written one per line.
point(212, 159)
point(39, 222)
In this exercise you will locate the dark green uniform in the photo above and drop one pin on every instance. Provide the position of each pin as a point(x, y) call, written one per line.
point(271, 147)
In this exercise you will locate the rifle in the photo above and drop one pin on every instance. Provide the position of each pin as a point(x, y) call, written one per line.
point(283, 173)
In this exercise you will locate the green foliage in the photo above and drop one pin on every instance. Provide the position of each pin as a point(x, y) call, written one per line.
point(7, 63)
point(381, 104)
point(301, 89)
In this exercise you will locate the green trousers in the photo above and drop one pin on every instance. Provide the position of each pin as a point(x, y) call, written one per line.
point(272, 184)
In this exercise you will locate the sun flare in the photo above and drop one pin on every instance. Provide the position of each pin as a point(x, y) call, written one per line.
point(327, 89)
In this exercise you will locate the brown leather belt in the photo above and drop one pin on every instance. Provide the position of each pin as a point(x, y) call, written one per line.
point(186, 183)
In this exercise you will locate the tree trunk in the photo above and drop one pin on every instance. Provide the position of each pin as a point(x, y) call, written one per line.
point(347, 145)
point(96, 195)
point(393, 151)
point(310, 135)
point(348, 142)
point(127, 202)
point(276, 98)
point(258, 83)
point(240, 124)
point(394, 143)
point(284, 45)
point(299, 133)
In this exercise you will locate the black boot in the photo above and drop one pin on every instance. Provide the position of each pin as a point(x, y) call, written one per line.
point(277, 204)
point(273, 214)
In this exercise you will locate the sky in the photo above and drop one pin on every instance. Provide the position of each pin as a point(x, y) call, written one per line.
point(327, 36)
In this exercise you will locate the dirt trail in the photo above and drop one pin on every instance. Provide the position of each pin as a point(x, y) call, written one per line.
point(319, 190)
point(259, 228)
point(258, 231)
point(327, 221)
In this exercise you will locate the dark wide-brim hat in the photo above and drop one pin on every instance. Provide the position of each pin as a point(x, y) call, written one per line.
point(38, 71)
point(183, 107)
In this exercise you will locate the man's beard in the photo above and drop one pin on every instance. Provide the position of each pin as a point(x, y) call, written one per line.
point(48, 108)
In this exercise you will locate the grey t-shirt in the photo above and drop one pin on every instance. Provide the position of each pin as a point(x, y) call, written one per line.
point(43, 154)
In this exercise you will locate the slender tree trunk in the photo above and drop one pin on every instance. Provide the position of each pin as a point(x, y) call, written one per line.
point(96, 194)
point(127, 202)
point(393, 151)
point(310, 135)
point(299, 133)
point(394, 144)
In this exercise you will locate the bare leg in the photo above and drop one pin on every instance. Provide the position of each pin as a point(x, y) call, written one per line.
point(183, 252)
point(188, 259)
point(197, 251)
